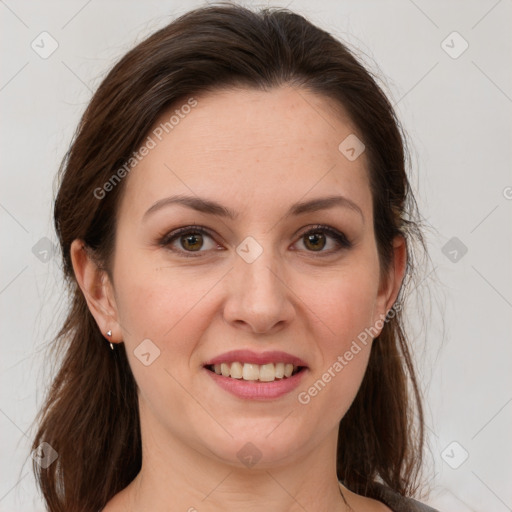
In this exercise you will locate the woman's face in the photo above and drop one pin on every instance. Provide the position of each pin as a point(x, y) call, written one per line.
point(264, 280)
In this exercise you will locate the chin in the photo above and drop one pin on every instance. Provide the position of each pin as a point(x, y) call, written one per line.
point(259, 444)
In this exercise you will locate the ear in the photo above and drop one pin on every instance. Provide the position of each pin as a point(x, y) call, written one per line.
point(390, 284)
point(97, 289)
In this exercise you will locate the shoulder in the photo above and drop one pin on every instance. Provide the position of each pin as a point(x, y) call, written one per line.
point(399, 503)
point(118, 503)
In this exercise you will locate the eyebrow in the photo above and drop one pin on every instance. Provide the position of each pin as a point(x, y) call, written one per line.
point(212, 207)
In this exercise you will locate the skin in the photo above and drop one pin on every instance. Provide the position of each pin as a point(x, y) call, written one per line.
point(256, 153)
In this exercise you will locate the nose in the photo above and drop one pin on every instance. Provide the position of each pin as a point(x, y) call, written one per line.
point(258, 298)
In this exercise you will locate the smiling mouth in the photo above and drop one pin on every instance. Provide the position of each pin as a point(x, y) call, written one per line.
point(255, 372)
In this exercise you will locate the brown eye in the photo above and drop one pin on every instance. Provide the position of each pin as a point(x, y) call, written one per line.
point(315, 241)
point(188, 241)
point(192, 241)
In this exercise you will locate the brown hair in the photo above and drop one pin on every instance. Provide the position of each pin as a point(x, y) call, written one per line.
point(90, 416)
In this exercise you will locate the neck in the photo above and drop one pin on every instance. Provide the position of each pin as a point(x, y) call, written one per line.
point(176, 476)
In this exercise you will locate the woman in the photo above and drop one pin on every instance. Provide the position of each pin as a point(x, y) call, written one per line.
point(236, 227)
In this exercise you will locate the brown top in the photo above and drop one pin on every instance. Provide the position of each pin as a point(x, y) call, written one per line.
point(399, 503)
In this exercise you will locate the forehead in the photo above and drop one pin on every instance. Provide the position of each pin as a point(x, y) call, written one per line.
point(248, 145)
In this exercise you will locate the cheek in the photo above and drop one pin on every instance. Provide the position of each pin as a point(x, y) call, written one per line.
point(156, 304)
point(344, 306)
point(167, 306)
point(156, 301)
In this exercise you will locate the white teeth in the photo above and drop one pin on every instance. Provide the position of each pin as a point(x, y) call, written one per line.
point(267, 372)
point(252, 372)
point(236, 370)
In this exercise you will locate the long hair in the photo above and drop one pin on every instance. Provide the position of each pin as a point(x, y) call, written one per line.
point(90, 415)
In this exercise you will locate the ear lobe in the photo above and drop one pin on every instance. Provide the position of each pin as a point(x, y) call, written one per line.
point(97, 289)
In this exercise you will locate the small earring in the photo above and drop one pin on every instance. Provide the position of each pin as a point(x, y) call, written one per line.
point(109, 333)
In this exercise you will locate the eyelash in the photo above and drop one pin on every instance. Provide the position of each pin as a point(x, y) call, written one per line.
point(343, 242)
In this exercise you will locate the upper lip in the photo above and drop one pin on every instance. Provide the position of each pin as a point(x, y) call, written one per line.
point(248, 356)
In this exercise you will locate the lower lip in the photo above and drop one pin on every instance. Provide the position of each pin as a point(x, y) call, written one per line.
point(256, 390)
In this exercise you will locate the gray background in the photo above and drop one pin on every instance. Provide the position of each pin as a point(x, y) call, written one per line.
point(456, 108)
